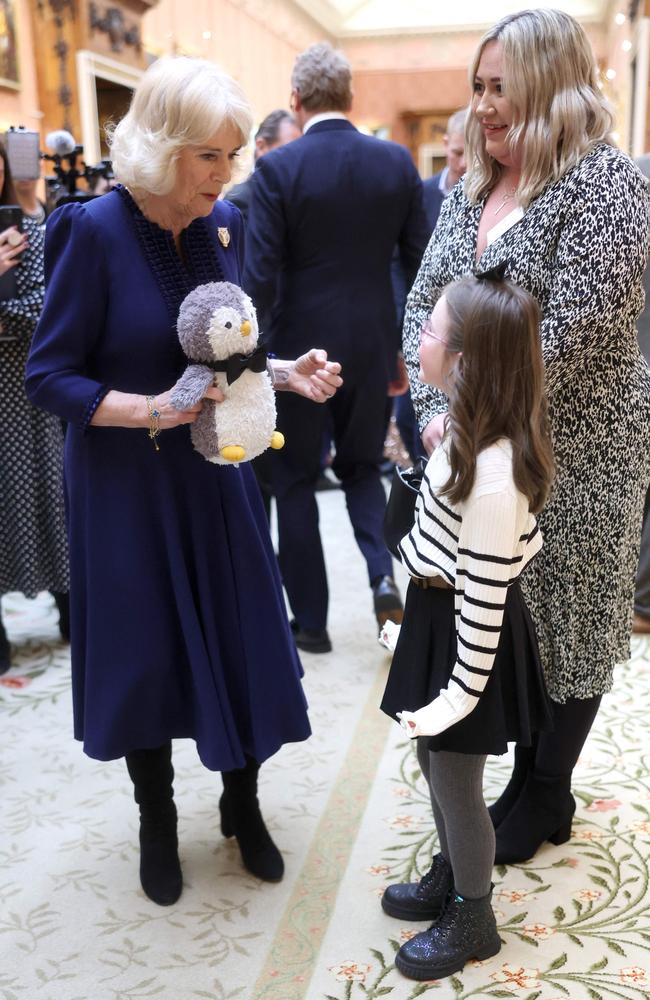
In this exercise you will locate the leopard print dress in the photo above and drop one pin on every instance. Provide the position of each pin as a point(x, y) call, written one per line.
point(581, 250)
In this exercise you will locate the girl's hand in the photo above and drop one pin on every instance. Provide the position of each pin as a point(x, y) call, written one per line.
point(311, 376)
point(12, 244)
point(434, 432)
point(409, 724)
point(169, 415)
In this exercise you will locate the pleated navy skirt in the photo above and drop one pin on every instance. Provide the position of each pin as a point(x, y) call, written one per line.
point(514, 704)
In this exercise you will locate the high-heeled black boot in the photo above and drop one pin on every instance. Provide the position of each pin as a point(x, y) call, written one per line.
point(423, 900)
point(62, 601)
point(524, 758)
point(160, 871)
point(543, 811)
point(466, 929)
point(241, 818)
point(5, 650)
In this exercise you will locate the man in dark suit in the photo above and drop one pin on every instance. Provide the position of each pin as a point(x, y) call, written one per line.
point(275, 130)
point(436, 188)
point(326, 212)
point(434, 192)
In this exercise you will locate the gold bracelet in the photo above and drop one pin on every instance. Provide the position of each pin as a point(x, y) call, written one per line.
point(154, 420)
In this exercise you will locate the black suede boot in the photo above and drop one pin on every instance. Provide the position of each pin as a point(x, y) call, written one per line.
point(62, 601)
point(423, 900)
point(524, 759)
point(467, 929)
point(241, 818)
point(5, 650)
point(160, 871)
point(543, 811)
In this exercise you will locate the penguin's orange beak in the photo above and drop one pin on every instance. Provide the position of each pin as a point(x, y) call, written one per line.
point(245, 328)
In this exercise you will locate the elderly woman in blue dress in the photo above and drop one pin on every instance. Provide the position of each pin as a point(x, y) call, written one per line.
point(178, 621)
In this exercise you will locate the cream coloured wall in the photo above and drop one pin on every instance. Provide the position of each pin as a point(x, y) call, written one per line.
point(256, 41)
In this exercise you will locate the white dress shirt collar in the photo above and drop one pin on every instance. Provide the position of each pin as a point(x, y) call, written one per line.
point(324, 116)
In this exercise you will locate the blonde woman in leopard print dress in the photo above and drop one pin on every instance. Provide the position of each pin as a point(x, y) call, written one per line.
point(547, 193)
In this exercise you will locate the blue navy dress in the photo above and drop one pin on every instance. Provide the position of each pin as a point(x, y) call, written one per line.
point(179, 626)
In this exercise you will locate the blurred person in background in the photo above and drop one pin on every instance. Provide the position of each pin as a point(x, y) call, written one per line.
point(326, 213)
point(32, 206)
point(33, 547)
point(278, 128)
point(434, 191)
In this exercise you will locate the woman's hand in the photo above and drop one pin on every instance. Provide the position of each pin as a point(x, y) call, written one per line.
point(311, 375)
point(170, 416)
point(12, 244)
point(434, 432)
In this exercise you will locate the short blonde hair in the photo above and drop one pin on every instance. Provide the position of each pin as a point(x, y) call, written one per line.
point(323, 78)
point(179, 102)
point(559, 113)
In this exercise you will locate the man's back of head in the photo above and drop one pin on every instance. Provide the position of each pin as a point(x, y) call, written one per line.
point(321, 81)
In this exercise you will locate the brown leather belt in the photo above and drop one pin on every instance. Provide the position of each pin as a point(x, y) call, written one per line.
point(431, 581)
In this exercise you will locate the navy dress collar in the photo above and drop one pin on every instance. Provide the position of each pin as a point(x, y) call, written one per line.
point(175, 277)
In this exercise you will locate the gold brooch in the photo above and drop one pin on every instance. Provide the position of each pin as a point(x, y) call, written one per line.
point(224, 236)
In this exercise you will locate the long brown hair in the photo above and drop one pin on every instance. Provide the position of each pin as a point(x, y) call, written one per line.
point(498, 389)
point(8, 192)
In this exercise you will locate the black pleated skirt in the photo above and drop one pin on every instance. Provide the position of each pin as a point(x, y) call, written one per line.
point(514, 704)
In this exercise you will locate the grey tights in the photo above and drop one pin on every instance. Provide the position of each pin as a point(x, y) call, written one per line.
point(464, 826)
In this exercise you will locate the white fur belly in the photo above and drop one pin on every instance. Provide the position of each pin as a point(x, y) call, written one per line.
point(247, 415)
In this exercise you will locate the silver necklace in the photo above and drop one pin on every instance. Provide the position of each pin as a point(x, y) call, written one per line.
point(508, 196)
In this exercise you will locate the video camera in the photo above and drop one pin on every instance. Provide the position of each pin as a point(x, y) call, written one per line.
point(24, 155)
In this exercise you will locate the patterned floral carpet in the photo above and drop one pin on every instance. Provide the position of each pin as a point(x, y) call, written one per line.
point(349, 811)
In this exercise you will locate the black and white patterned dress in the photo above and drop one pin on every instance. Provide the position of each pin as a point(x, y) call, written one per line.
point(581, 250)
point(33, 547)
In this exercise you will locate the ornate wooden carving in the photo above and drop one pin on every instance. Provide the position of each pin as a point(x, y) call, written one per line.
point(113, 23)
point(62, 16)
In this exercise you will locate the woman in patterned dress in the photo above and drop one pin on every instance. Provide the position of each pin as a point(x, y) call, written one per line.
point(548, 194)
point(33, 547)
point(179, 628)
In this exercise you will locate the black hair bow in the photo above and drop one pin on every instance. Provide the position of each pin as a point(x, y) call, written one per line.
point(236, 364)
point(497, 273)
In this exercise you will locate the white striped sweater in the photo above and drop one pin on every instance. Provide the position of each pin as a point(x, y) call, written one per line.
point(480, 546)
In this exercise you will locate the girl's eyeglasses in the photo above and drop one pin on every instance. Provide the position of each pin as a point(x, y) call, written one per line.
point(427, 330)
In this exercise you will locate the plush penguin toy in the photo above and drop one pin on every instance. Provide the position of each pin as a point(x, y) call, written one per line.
point(217, 328)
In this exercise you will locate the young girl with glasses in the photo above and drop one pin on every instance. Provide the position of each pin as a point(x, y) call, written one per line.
point(466, 677)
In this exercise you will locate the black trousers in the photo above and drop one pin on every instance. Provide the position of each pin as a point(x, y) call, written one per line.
point(357, 417)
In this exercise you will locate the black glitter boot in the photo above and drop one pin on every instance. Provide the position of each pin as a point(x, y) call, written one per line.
point(160, 870)
point(467, 929)
point(423, 900)
point(241, 818)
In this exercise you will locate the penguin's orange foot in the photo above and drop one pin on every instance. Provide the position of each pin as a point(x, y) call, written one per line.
point(233, 453)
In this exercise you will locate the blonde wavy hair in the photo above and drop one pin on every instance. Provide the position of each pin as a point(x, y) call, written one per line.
point(179, 102)
point(559, 113)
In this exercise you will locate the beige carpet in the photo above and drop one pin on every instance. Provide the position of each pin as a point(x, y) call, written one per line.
point(348, 810)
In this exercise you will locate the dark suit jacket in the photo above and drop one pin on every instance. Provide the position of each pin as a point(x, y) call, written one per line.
point(432, 198)
point(240, 195)
point(325, 214)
